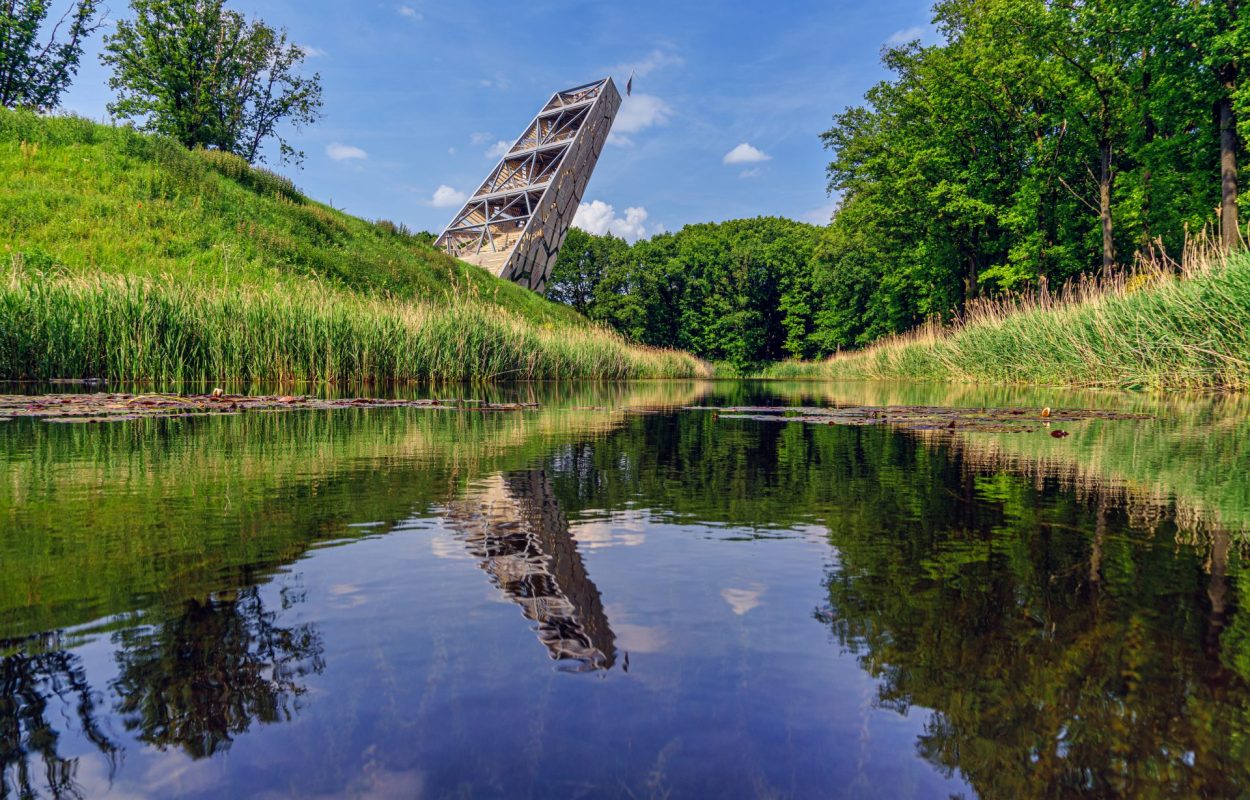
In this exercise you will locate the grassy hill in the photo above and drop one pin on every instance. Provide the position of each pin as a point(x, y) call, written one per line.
point(128, 256)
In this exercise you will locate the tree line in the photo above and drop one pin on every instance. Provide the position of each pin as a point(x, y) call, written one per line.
point(192, 70)
point(1040, 140)
point(740, 292)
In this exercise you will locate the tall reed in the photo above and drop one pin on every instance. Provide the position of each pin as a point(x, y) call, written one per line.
point(128, 327)
point(1162, 324)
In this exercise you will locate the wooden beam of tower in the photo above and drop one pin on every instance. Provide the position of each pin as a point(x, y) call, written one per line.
point(515, 224)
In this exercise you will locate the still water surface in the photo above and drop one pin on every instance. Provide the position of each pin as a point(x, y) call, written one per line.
point(610, 596)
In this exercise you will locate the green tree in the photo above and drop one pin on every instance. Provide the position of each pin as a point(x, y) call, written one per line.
point(1093, 45)
point(201, 73)
point(925, 170)
point(33, 74)
point(738, 291)
point(1219, 31)
point(1037, 141)
point(580, 267)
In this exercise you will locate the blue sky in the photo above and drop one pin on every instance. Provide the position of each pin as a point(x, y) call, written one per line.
point(729, 99)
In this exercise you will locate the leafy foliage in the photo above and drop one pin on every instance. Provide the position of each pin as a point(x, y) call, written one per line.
point(738, 291)
point(202, 74)
point(1038, 141)
point(33, 74)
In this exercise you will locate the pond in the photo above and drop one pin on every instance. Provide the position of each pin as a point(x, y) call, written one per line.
point(622, 592)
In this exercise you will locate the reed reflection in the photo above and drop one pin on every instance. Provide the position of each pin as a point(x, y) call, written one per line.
point(1065, 630)
point(1068, 634)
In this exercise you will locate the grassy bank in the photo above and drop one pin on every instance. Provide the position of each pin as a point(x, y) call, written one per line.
point(127, 256)
point(128, 327)
point(1188, 328)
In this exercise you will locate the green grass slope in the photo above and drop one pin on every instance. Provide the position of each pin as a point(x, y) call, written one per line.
point(125, 255)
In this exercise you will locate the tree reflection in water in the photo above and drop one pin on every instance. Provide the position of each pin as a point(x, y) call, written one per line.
point(39, 681)
point(1070, 635)
point(1056, 660)
point(1058, 634)
point(202, 677)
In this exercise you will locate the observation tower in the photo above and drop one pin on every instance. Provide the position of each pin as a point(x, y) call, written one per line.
point(516, 221)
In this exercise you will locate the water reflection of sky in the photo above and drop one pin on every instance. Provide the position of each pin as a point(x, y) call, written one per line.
point(663, 606)
point(430, 683)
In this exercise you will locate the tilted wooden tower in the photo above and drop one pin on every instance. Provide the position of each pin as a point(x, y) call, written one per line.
point(515, 223)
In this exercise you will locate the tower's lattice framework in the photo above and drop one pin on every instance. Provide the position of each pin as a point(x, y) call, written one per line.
point(515, 223)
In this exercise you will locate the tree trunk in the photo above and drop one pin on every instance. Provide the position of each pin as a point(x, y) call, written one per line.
point(970, 280)
point(1230, 234)
point(1148, 125)
point(1104, 208)
point(1100, 533)
point(1217, 589)
point(1045, 226)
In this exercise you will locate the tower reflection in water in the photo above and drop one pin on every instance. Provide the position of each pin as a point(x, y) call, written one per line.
point(514, 526)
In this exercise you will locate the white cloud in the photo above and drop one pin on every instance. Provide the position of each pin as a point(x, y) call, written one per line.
point(498, 149)
point(656, 59)
point(819, 216)
point(598, 218)
point(596, 535)
point(345, 152)
point(445, 547)
point(906, 35)
point(500, 81)
point(410, 13)
point(749, 173)
point(447, 197)
point(746, 154)
point(640, 112)
point(479, 138)
point(310, 51)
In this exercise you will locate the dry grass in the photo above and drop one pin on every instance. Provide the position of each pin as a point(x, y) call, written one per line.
point(1160, 324)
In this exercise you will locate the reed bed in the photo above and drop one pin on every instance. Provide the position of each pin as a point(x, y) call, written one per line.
point(1163, 324)
point(137, 328)
point(130, 257)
